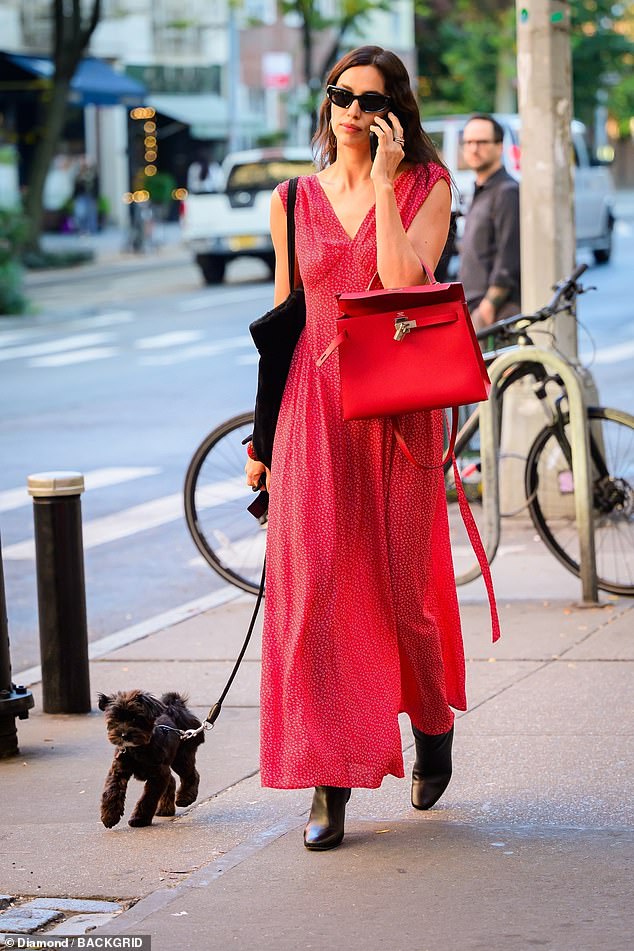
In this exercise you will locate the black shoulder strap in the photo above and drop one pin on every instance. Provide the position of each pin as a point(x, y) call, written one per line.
point(290, 230)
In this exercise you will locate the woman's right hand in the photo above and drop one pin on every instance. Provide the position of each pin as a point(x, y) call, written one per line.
point(254, 472)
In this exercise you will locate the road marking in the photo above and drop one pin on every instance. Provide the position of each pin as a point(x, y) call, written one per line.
point(56, 346)
point(101, 320)
point(198, 351)
point(153, 625)
point(140, 518)
point(174, 339)
point(96, 479)
point(215, 300)
point(74, 356)
point(619, 353)
point(17, 336)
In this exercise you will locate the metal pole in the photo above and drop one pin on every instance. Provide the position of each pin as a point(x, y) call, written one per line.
point(233, 84)
point(14, 701)
point(61, 591)
point(579, 442)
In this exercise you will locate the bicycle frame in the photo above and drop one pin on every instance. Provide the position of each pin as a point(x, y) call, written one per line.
point(580, 451)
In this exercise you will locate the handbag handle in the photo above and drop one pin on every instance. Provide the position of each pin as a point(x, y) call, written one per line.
point(290, 230)
point(398, 435)
point(431, 277)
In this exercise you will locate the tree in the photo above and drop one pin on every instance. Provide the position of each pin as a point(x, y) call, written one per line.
point(72, 30)
point(353, 12)
point(466, 55)
point(602, 58)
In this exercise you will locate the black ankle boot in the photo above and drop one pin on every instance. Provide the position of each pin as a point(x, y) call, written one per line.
point(327, 814)
point(432, 768)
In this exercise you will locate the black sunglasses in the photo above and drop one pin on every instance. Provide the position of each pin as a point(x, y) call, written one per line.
point(368, 101)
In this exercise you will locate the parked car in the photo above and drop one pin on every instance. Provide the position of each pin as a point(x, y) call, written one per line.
point(234, 221)
point(594, 190)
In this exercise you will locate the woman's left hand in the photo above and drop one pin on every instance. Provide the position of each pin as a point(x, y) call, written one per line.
point(390, 151)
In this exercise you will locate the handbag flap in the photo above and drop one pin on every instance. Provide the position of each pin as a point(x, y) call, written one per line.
point(400, 298)
point(421, 316)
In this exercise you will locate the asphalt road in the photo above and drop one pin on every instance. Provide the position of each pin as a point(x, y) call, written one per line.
point(120, 376)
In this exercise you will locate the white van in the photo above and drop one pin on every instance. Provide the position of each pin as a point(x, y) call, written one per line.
point(594, 190)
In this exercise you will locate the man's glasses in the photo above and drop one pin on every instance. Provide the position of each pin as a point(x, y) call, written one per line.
point(477, 143)
point(368, 101)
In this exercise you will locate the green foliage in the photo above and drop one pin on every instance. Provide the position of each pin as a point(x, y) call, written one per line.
point(463, 49)
point(271, 139)
point(602, 58)
point(160, 187)
point(13, 231)
point(38, 260)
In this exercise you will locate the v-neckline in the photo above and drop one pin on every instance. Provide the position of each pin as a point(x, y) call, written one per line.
point(371, 209)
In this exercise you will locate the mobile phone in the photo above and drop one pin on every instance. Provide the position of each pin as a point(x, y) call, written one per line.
point(374, 140)
point(260, 504)
point(374, 144)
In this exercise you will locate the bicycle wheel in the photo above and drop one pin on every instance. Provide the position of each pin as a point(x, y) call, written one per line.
point(550, 490)
point(230, 539)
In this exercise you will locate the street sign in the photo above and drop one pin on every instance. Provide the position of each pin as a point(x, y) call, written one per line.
point(276, 70)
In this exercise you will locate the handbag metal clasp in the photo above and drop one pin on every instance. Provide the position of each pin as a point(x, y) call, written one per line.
point(402, 326)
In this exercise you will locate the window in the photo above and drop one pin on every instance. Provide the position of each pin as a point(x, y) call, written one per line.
point(37, 24)
point(265, 176)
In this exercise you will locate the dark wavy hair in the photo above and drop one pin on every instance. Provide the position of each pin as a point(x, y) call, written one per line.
point(419, 148)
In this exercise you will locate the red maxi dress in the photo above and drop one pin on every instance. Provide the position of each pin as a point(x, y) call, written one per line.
point(361, 616)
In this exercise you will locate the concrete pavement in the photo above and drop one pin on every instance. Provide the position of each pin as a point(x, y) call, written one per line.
point(530, 845)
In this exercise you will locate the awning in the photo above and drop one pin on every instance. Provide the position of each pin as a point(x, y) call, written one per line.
point(207, 115)
point(94, 83)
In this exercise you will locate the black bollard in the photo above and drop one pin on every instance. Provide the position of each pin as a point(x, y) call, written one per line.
point(61, 595)
point(14, 701)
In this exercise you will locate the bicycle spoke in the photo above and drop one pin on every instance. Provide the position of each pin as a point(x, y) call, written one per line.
point(612, 473)
point(216, 500)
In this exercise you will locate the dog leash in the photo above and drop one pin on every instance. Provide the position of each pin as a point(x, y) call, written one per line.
point(214, 711)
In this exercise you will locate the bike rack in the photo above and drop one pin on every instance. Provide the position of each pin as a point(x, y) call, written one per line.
point(490, 441)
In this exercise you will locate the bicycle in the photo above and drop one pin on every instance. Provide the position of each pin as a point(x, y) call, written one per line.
point(233, 542)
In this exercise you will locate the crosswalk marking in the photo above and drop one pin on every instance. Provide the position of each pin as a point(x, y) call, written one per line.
point(113, 319)
point(96, 479)
point(174, 339)
point(197, 351)
point(139, 518)
point(228, 297)
point(74, 342)
point(11, 337)
point(74, 356)
point(618, 353)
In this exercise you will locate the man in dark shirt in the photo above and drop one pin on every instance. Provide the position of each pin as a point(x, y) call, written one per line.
point(490, 246)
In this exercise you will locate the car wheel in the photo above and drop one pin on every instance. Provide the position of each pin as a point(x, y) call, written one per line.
point(602, 255)
point(212, 267)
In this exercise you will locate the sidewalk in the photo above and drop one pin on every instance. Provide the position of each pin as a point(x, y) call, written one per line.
point(112, 255)
point(530, 846)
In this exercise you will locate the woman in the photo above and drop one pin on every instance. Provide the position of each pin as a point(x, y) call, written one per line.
point(361, 618)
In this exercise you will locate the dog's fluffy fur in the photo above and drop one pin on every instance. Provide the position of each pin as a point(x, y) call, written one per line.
point(144, 730)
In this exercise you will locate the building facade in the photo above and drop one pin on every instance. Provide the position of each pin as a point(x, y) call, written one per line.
point(219, 76)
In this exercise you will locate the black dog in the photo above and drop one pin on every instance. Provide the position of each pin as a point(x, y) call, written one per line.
point(146, 733)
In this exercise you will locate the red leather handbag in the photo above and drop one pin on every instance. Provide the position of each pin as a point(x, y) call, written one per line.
point(412, 349)
point(407, 349)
